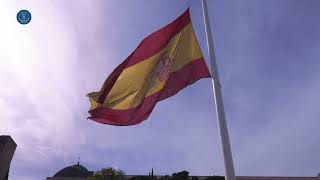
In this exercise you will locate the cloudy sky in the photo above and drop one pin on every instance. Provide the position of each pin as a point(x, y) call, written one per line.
point(268, 58)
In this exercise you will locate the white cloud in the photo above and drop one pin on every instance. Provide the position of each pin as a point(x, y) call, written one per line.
point(37, 73)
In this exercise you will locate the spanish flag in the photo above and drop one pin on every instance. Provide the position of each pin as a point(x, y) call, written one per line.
point(164, 63)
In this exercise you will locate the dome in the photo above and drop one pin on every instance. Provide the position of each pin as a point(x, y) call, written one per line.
point(74, 171)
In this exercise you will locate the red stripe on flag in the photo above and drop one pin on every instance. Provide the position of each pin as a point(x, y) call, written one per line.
point(156, 41)
point(188, 75)
point(178, 80)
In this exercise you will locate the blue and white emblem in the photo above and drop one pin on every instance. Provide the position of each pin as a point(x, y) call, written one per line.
point(24, 17)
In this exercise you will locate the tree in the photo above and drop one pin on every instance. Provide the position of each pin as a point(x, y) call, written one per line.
point(140, 178)
point(166, 177)
point(194, 178)
point(215, 178)
point(108, 173)
point(183, 175)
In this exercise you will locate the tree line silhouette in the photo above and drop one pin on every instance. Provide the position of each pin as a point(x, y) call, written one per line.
point(110, 173)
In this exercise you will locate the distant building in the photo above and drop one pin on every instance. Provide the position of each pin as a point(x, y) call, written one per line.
point(7, 149)
point(74, 172)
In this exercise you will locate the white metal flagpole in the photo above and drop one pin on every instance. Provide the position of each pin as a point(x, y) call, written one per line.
point(222, 124)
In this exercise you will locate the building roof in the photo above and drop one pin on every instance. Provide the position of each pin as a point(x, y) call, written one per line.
point(74, 171)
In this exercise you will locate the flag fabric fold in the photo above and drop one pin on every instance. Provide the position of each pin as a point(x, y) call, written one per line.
point(164, 63)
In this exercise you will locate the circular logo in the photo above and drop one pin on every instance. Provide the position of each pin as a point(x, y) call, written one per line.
point(24, 17)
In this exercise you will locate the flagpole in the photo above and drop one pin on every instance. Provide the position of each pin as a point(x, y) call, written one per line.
point(221, 119)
